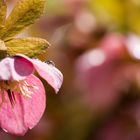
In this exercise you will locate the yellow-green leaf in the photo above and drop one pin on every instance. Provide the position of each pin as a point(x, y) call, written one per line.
point(23, 14)
point(2, 46)
point(3, 9)
point(28, 46)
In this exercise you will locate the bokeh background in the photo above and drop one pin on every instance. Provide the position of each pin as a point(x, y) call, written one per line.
point(96, 45)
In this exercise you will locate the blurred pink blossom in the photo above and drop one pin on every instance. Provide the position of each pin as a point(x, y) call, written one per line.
point(103, 72)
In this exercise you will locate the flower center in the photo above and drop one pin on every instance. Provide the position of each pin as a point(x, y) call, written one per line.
point(21, 87)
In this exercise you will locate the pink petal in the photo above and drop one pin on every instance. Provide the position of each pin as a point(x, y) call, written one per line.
point(26, 112)
point(50, 73)
point(15, 68)
point(23, 66)
point(11, 119)
point(34, 107)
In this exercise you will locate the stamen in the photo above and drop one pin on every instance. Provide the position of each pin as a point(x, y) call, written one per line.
point(25, 90)
point(35, 87)
point(10, 87)
point(11, 97)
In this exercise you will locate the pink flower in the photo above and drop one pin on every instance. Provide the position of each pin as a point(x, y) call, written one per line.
point(106, 72)
point(100, 70)
point(22, 94)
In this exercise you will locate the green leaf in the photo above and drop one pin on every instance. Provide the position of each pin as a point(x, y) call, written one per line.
point(28, 46)
point(3, 9)
point(24, 14)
